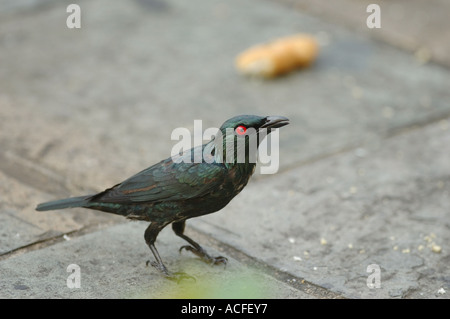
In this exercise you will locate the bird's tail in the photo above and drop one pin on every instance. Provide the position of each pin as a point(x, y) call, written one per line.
point(65, 203)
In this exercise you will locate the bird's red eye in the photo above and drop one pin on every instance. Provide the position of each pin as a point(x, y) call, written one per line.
point(241, 129)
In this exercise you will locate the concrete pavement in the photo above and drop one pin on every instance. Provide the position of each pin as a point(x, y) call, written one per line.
point(364, 163)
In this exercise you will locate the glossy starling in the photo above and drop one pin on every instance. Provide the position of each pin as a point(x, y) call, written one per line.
point(202, 180)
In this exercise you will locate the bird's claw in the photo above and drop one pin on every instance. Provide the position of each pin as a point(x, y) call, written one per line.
point(204, 255)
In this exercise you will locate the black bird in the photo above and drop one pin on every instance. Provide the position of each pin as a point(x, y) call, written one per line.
point(200, 181)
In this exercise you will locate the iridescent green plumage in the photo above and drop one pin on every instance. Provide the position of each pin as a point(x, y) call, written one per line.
point(179, 188)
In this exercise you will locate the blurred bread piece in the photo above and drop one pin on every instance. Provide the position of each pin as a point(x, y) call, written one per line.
point(278, 57)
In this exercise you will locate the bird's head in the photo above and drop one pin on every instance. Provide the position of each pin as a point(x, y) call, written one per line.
point(240, 136)
point(240, 124)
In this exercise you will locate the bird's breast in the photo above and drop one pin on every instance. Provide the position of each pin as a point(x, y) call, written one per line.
point(239, 175)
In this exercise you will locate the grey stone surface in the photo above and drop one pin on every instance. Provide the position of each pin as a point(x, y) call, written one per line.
point(364, 163)
point(414, 25)
point(107, 86)
point(386, 204)
point(23, 185)
point(112, 265)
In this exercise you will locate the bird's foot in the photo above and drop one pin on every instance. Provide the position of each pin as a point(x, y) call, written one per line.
point(176, 276)
point(205, 257)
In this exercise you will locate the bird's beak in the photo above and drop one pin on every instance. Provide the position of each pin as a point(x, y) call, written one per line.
point(275, 122)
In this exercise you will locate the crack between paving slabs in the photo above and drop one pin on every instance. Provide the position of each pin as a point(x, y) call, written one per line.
point(280, 275)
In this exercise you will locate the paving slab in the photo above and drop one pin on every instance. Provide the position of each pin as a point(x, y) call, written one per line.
point(111, 264)
point(420, 27)
point(22, 185)
point(326, 222)
point(104, 99)
point(84, 109)
point(23, 228)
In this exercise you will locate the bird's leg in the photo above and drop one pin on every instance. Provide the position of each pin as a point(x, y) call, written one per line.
point(150, 235)
point(178, 228)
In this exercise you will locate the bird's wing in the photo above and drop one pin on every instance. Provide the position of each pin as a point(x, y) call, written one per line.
point(166, 181)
